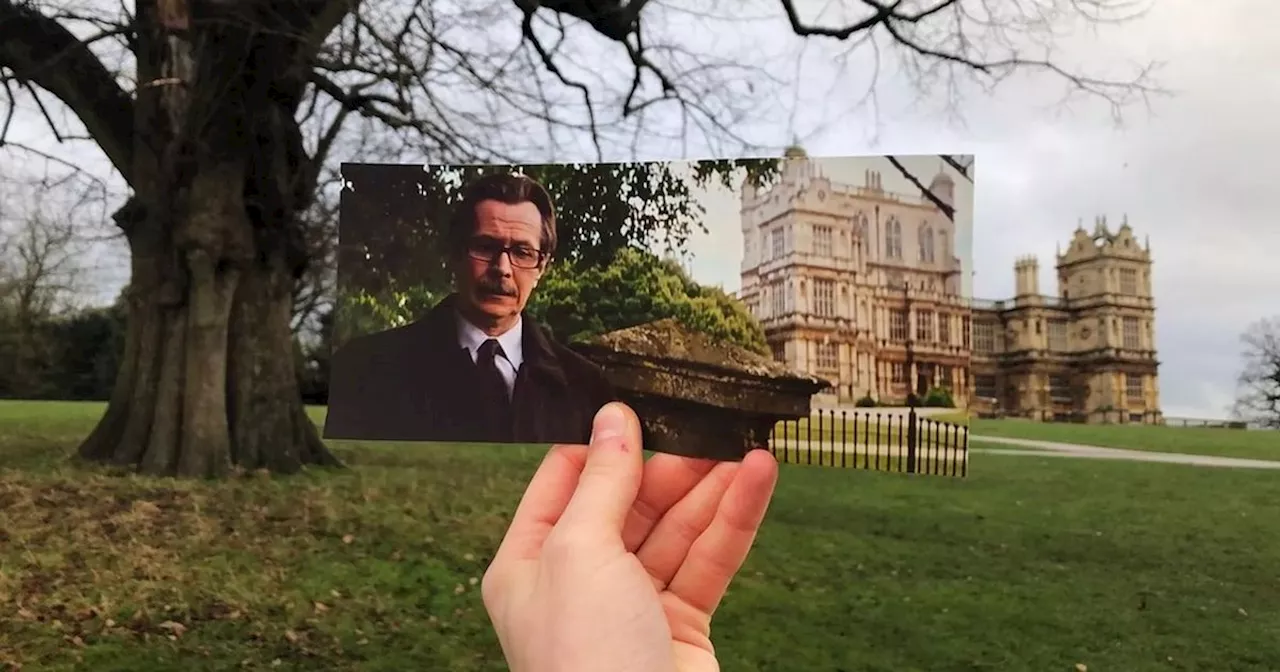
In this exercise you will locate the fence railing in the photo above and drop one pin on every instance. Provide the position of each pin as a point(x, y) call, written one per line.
point(901, 442)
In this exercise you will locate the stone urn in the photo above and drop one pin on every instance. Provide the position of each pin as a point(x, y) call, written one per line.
point(696, 396)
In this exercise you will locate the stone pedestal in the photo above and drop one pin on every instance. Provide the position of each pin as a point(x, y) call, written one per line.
point(696, 397)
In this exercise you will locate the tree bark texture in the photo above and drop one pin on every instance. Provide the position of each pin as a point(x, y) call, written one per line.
point(207, 382)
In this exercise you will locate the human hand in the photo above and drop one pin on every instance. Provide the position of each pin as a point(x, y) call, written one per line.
point(614, 564)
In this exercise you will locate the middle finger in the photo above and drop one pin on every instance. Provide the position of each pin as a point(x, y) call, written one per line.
point(667, 479)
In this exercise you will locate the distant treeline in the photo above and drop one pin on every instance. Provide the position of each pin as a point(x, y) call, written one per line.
point(71, 356)
point(74, 356)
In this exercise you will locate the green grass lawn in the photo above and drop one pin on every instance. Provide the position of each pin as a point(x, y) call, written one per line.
point(1197, 440)
point(1029, 564)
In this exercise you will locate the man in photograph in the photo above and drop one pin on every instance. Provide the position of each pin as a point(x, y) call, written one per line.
point(475, 367)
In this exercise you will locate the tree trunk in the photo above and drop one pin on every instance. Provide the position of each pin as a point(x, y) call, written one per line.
point(207, 381)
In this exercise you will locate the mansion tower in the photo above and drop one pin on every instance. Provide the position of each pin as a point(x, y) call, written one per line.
point(1086, 354)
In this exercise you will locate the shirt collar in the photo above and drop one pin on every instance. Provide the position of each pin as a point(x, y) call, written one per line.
point(512, 342)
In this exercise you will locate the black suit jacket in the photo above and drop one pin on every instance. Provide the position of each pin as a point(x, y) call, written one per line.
point(416, 383)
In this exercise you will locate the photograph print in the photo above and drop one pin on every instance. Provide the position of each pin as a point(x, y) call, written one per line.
point(463, 289)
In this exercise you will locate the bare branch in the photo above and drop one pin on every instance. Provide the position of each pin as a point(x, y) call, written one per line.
point(38, 50)
point(939, 37)
point(528, 7)
point(946, 209)
point(957, 166)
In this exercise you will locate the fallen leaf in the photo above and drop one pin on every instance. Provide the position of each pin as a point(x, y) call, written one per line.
point(175, 629)
point(347, 538)
point(320, 607)
point(291, 636)
point(1081, 667)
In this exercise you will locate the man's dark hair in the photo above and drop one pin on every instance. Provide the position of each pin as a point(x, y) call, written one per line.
point(509, 188)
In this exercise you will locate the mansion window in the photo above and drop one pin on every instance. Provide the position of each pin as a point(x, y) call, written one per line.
point(926, 243)
point(985, 386)
point(898, 372)
point(1058, 335)
point(824, 297)
point(984, 337)
point(822, 241)
point(944, 328)
point(897, 325)
point(1129, 281)
point(777, 299)
point(779, 243)
point(924, 326)
point(966, 329)
point(828, 356)
point(779, 351)
point(893, 239)
point(1133, 388)
point(1131, 340)
point(1060, 388)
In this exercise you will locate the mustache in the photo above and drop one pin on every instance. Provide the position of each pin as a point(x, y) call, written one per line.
point(496, 287)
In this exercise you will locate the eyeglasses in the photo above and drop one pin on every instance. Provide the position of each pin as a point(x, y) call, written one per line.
point(522, 256)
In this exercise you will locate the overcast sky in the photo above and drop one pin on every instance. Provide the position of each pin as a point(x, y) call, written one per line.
point(1194, 175)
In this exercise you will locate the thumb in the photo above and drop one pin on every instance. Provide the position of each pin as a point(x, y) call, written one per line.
point(611, 478)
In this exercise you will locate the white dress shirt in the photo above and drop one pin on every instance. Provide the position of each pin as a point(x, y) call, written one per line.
point(471, 338)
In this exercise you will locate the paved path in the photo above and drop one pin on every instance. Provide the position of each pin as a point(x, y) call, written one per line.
point(1055, 449)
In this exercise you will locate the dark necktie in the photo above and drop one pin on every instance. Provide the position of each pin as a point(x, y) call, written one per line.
point(494, 386)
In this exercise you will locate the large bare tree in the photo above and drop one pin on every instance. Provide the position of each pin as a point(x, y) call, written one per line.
point(1258, 400)
point(221, 116)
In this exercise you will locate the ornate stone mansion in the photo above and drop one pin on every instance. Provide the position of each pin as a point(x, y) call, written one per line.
point(1087, 354)
point(844, 278)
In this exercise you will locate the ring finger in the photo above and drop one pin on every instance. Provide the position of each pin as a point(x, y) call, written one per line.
point(666, 547)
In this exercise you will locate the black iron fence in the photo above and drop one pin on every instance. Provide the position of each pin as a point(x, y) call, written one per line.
point(876, 440)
